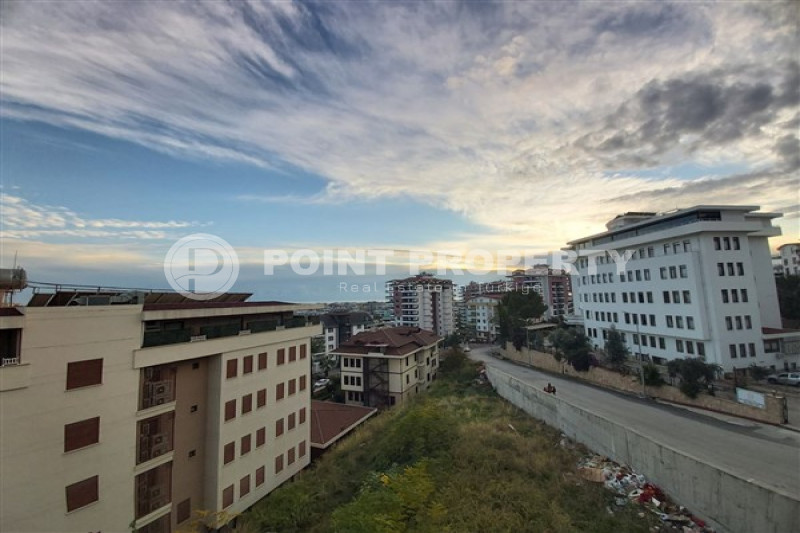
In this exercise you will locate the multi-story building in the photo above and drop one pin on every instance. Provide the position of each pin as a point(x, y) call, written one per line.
point(339, 326)
point(424, 302)
point(698, 283)
point(481, 312)
point(790, 259)
point(388, 366)
point(553, 285)
point(132, 411)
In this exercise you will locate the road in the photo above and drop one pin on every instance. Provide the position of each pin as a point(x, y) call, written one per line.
point(769, 455)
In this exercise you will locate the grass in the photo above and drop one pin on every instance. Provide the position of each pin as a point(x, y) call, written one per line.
point(457, 459)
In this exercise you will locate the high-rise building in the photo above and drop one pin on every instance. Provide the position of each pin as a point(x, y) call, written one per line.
point(790, 259)
point(131, 412)
point(553, 285)
point(698, 283)
point(424, 302)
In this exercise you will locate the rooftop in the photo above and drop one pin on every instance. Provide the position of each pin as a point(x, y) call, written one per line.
point(401, 340)
point(331, 421)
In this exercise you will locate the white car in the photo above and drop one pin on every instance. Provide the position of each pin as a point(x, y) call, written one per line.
point(785, 378)
point(321, 383)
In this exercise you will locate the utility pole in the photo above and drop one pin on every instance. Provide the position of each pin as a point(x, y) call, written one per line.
point(641, 356)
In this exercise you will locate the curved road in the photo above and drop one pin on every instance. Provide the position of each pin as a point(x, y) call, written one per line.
point(767, 454)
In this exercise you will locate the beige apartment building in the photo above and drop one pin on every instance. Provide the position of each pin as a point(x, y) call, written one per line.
point(388, 366)
point(129, 412)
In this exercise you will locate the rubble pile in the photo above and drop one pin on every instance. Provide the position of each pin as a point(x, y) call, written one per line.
point(633, 488)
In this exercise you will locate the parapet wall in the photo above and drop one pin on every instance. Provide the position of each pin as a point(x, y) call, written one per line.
point(726, 501)
point(773, 412)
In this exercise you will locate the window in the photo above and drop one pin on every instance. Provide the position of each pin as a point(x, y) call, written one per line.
point(689, 347)
point(81, 434)
point(279, 463)
point(736, 243)
point(701, 349)
point(731, 271)
point(302, 416)
point(726, 242)
point(687, 297)
point(687, 246)
point(676, 297)
point(281, 356)
point(724, 296)
point(666, 249)
point(663, 271)
point(244, 486)
point(635, 339)
point(647, 274)
point(732, 349)
point(292, 386)
point(279, 391)
point(259, 476)
point(728, 323)
point(669, 321)
point(738, 322)
point(292, 421)
point(227, 496)
point(230, 410)
point(665, 295)
point(247, 403)
point(245, 445)
point(676, 247)
point(748, 323)
point(662, 343)
point(290, 456)
point(653, 320)
point(261, 398)
point(82, 493)
point(183, 511)
point(303, 380)
point(752, 348)
point(721, 269)
point(679, 345)
point(622, 277)
point(652, 341)
point(262, 361)
point(717, 243)
point(247, 364)
point(638, 275)
point(627, 318)
point(679, 322)
point(84, 373)
point(229, 452)
point(303, 351)
point(641, 297)
point(301, 449)
point(742, 350)
point(261, 437)
point(740, 269)
point(279, 427)
point(649, 297)
point(292, 354)
point(689, 322)
point(624, 297)
point(231, 368)
point(673, 272)
point(744, 294)
point(643, 319)
point(684, 271)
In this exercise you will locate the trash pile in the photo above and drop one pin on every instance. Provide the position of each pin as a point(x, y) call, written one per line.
point(631, 487)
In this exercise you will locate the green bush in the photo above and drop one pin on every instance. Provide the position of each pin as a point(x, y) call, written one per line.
point(652, 377)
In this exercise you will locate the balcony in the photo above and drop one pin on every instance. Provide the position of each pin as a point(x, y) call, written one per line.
point(155, 437)
point(158, 386)
point(177, 336)
point(153, 490)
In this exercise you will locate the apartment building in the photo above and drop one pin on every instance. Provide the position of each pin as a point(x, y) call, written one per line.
point(340, 326)
point(790, 259)
point(698, 283)
point(481, 313)
point(388, 366)
point(132, 411)
point(553, 285)
point(424, 302)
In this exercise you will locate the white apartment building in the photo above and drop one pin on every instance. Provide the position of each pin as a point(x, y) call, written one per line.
point(388, 366)
point(481, 312)
point(132, 416)
point(699, 283)
point(790, 259)
point(423, 302)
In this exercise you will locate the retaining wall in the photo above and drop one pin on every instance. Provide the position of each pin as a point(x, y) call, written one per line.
point(773, 412)
point(726, 501)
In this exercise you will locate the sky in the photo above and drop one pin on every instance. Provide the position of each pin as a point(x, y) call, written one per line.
point(435, 126)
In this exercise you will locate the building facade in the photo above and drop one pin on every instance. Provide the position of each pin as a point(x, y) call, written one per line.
point(481, 313)
point(698, 283)
point(389, 366)
point(423, 302)
point(790, 259)
point(120, 417)
point(553, 285)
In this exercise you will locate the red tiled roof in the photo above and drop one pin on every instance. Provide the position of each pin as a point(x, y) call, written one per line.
point(401, 340)
point(330, 421)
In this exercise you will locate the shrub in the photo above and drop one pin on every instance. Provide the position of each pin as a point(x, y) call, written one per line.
point(652, 376)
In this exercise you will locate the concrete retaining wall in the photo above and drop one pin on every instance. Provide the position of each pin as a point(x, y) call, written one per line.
point(773, 412)
point(725, 500)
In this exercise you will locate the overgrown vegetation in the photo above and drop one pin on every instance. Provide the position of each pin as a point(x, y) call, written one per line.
point(616, 350)
point(695, 374)
point(574, 346)
point(652, 377)
point(456, 459)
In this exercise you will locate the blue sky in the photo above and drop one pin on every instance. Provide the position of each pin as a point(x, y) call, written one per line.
point(426, 126)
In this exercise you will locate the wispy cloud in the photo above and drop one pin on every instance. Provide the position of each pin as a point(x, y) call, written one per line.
point(515, 114)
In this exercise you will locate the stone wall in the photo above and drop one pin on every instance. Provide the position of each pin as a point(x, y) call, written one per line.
point(773, 413)
point(727, 501)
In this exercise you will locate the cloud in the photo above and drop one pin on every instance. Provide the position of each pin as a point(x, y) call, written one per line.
point(530, 118)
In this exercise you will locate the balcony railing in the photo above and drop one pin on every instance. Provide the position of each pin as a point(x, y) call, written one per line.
point(160, 338)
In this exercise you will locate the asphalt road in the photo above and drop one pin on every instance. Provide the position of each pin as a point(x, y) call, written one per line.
point(767, 454)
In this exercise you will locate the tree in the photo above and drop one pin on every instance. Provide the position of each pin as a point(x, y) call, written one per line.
point(452, 340)
point(514, 312)
point(616, 349)
point(574, 346)
point(652, 377)
point(317, 344)
point(789, 296)
point(694, 374)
